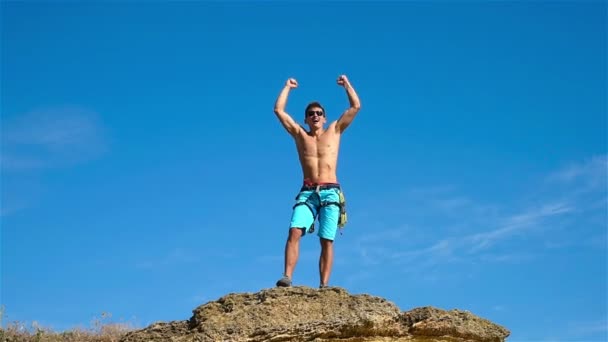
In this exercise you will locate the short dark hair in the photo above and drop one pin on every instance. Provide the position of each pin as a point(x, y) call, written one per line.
point(313, 105)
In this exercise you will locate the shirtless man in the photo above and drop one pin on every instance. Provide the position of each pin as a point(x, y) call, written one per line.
point(318, 152)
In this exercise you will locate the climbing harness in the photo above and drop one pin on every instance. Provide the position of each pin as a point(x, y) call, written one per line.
point(341, 204)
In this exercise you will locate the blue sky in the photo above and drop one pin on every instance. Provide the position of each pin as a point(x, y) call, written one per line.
point(144, 172)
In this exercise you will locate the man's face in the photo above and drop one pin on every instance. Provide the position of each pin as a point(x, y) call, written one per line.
point(315, 117)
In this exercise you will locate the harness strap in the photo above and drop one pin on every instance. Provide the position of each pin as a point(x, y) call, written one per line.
point(311, 229)
point(325, 204)
point(306, 204)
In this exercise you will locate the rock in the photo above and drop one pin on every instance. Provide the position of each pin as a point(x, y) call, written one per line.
point(432, 322)
point(306, 314)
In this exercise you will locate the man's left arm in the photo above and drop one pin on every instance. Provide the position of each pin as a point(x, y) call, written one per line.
point(355, 105)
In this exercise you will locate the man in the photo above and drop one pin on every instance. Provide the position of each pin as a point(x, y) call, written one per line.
point(320, 194)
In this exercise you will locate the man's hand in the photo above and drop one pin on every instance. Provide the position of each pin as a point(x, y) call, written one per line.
point(279, 108)
point(291, 83)
point(348, 115)
point(343, 81)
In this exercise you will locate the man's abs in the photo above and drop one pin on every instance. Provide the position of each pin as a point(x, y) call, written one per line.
point(319, 157)
point(319, 170)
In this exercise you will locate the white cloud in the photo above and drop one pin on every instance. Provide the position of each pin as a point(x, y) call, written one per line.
point(582, 179)
point(515, 224)
point(581, 329)
point(594, 167)
point(453, 227)
point(42, 139)
point(507, 258)
point(51, 137)
point(382, 247)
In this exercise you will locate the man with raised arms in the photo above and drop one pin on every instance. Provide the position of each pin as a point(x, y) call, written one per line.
point(320, 194)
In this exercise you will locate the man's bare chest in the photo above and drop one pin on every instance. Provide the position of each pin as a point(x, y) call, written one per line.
point(318, 146)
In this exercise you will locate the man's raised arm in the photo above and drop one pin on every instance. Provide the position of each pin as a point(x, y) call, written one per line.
point(279, 108)
point(349, 115)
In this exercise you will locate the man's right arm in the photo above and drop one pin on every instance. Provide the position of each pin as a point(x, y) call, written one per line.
point(279, 108)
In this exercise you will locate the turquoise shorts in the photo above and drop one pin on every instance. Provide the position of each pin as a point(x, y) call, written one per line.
point(309, 206)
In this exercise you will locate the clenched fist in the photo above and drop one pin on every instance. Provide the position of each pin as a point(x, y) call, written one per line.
point(342, 80)
point(291, 83)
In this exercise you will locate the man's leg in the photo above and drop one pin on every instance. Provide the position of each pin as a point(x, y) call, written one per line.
point(326, 260)
point(292, 250)
point(328, 222)
point(301, 218)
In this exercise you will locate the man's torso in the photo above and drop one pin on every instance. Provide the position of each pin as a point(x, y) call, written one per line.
point(319, 155)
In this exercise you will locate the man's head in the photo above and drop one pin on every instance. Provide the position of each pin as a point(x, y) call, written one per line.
point(315, 115)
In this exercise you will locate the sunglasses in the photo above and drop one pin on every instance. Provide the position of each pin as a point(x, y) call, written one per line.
point(314, 112)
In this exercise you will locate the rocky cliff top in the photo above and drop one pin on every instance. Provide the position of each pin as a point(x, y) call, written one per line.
point(329, 314)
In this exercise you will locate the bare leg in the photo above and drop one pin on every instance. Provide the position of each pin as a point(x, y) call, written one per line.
point(292, 249)
point(326, 260)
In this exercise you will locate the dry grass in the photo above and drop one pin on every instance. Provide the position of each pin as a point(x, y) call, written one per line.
point(102, 330)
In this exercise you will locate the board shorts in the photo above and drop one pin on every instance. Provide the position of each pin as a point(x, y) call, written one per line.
point(317, 201)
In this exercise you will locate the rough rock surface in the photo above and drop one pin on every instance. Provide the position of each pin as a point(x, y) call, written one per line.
point(307, 314)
